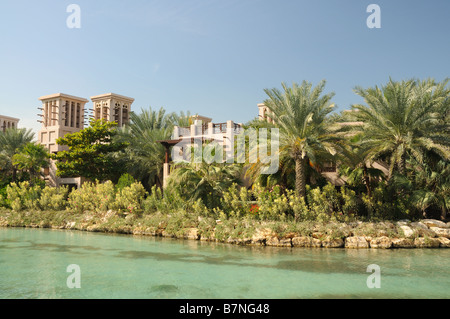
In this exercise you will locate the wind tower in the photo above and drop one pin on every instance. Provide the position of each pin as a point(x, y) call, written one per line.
point(112, 108)
point(61, 114)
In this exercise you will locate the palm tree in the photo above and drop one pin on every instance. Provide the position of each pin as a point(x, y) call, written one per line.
point(32, 157)
point(401, 121)
point(432, 186)
point(144, 156)
point(355, 166)
point(204, 181)
point(11, 141)
point(300, 113)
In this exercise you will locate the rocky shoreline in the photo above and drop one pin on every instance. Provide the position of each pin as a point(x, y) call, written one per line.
point(427, 233)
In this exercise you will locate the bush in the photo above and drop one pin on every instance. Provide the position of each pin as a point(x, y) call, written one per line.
point(273, 204)
point(96, 197)
point(23, 196)
point(170, 201)
point(53, 198)
point(124, 181)
point(130, 198)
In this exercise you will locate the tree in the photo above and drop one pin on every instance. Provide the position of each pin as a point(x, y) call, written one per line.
point(90, 153)
point(433, 187)
point(143, 157)
point(32, 157)
point(356, 166)
point(401, 120)
point(300, 114)
point(204, 181)
point(11, 141)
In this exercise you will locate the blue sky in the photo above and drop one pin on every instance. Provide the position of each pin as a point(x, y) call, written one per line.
point(213, 57)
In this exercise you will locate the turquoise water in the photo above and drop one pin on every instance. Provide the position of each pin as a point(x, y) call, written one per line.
point(33, 264)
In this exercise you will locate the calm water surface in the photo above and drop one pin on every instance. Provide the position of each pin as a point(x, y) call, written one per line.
point(33, 264)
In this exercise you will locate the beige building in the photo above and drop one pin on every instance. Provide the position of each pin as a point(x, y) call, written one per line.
point(112, 108)
point(265, 113)
point(7, 122)
point(202, 128)
point(63, 114)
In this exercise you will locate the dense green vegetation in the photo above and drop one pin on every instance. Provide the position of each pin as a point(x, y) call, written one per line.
point(402, 126)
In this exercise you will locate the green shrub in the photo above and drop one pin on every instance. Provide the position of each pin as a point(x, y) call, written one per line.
point(272, 203)
point(130, 198)
point(54, 198)
point(235, 201)
point(96, 197)
point(23, 196)
point(124, 181)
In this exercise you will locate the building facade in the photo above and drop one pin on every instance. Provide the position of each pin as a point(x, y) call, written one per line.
point(7, 122)
point(112, 108)
point(204, 130)
point(63, 114)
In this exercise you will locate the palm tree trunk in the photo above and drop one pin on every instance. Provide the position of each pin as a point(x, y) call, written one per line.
point(14, 174)
point(300, 177)
point(367, 181)
point(402, 165)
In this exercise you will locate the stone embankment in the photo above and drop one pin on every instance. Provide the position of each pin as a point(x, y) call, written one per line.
point(428, 233)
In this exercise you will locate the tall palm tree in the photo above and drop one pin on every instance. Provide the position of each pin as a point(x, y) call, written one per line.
point(144, 156)
point(401, 121)
point(355, 165)
point(11, 141)
point(32, 157)
point(300, 113)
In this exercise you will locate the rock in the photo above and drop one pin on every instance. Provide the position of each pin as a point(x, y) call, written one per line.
point(381, 242)
point(277, 242)
point(70, 225)
point(232, 240)
point(422, 242)
point(356, 242)
point(261, 235)
point(441, 232)
point(167, 234)
point(419, 225)
point(434, 223)
point(407, 231)
point(192, 233)
point(305, 241)
point(346, 230)
point(318, 235)
point(403, 243)
point(403, 222)
point(444, 242)
point(333, 243)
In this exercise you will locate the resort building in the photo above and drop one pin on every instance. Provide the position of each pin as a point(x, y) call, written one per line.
point(112, 108)
point(7, 122)
point(265, 113)
point(204, 130)
point(63, 114)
